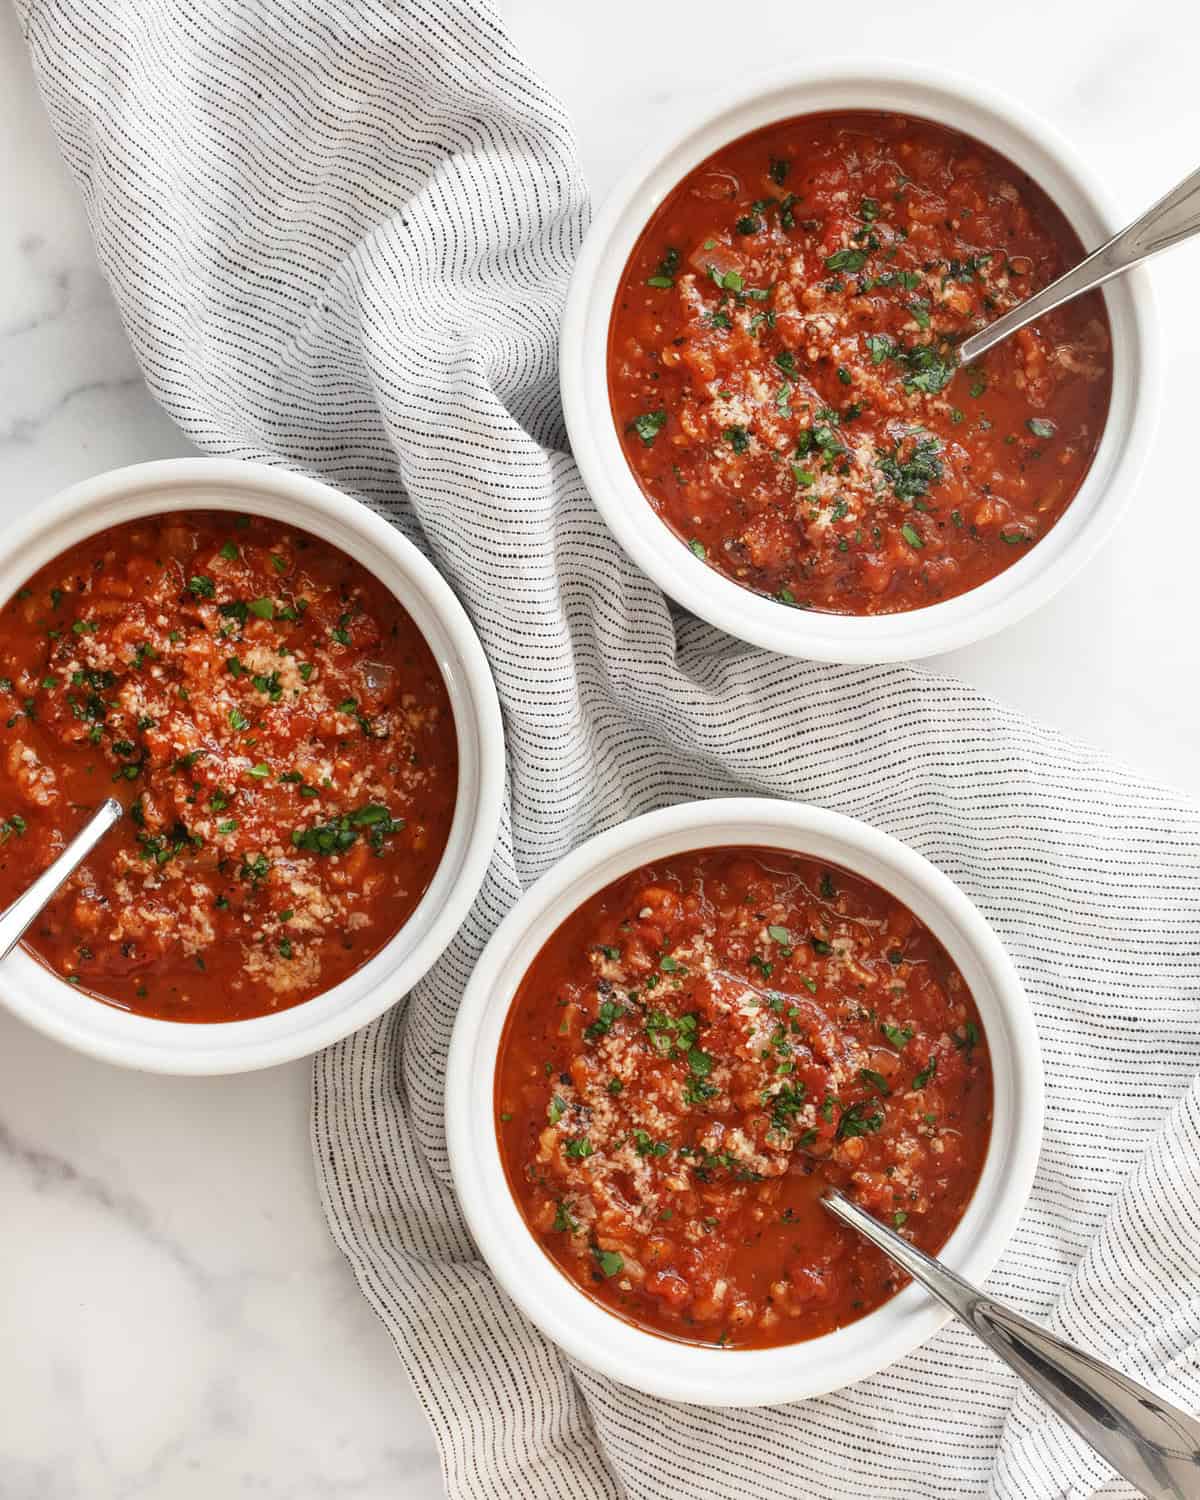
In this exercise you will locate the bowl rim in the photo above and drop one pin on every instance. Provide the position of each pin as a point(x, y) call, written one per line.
point(603, 1341)
point(1036, 147)
point(39, 997)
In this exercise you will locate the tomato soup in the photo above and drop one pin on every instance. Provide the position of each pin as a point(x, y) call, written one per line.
point(783, 375)
point(697, 1052)
point(279, 734)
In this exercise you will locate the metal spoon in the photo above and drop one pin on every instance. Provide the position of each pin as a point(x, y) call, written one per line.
point(15, 921)
point(1173, 218)
point(1151, 1443)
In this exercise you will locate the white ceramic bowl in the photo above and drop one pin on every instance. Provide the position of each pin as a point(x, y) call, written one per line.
point(59, 1009)
point(906, 89)
point(665, 1367)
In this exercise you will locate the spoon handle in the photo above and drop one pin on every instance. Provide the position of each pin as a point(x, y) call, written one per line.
point(1173, 218)
point(1152, 1444)
point(25, 908)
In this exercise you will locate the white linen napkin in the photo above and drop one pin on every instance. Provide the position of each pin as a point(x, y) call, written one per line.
point(340, 233)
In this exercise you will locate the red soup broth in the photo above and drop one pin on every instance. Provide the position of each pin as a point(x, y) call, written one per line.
point(281, 739)
point(782, 369)
point(702, 1047)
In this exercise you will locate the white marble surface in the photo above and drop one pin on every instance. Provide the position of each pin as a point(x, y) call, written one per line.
point(175, 1321)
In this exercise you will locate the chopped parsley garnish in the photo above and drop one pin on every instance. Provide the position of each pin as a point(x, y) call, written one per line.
point(856, 1121)
point(14, 824)
point(608, 1012)
point(664, 275)
point(876, 1080)
point(255, 870)
point(609, 1261)
point(778, 170)
point(846, 260)
point(926, 369)
point(728, 281)
point(644, 1145)
point(202, 586)
point(579, 1148)
point(671, 1036)
point(899, 1036)
point(785, 1104)
point(1041, 427)
point(913, 465)
point(649, 425)
point(163, 847)
point(737, 438)
point(926, 1072)
point(341, 833)
point(964, 270)
point(783, 937)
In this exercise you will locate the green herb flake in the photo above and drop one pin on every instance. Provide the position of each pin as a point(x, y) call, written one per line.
point(846, 260)
point(609, 1262)
point(898, 1036)
point(649, 425)
point(856, 1121)
point(926, 1073)
point(876, 1080)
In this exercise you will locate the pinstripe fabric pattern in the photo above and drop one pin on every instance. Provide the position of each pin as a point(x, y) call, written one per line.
point(340, 232)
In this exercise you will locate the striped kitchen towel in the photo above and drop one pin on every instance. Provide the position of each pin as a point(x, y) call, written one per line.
point(340, 233)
